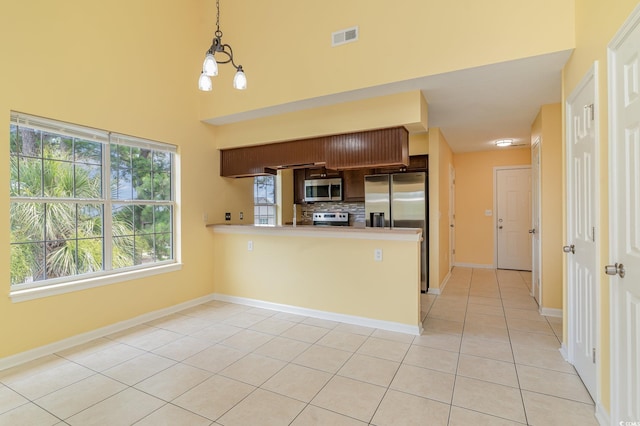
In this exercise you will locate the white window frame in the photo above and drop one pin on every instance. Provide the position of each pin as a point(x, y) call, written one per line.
point(49, 287)
point(272, 206)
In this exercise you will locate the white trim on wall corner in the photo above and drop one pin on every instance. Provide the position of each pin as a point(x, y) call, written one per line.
point(602, 415)
point(564, 352)
point(474, 265)
point(438, 291)
point(78, 339)
point(551, 312)
point(331, 316)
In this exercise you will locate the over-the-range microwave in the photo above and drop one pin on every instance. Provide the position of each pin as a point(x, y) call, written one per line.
point(323, 190)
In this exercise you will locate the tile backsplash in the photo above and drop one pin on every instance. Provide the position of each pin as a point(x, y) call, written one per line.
point(355, 210)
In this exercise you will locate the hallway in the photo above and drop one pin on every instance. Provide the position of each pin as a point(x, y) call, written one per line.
point(485, 358)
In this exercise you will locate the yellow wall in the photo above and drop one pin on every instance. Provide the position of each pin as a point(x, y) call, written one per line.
point(419, 143)
point(230, 195)
point(547, 127)
point(291, 59)
point(128, 67)
point(402, 109)
point(325, 274)
point(474, 195)
point(596, 24)
point(285, 196)
point(440, 157)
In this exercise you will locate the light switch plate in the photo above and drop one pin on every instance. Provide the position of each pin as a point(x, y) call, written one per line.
point(250, 245)
point(488, 213)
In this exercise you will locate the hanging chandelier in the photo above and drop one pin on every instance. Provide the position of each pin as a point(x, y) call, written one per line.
point(225, 55)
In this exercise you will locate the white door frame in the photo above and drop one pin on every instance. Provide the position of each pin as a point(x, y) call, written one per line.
point(617, 341)
point(536, 252)
point(569, 351)
point(495, 206)
point(452, 217)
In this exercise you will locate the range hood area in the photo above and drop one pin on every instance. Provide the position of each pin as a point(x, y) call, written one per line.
point(374, 148)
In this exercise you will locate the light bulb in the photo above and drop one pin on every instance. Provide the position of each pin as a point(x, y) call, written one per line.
point(210, 66)
point(240, 80)
point(204, 83)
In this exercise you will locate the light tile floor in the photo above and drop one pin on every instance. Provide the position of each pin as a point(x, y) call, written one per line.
point(485, 358)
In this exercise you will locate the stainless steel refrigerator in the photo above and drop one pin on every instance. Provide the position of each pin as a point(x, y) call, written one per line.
point(400, 201)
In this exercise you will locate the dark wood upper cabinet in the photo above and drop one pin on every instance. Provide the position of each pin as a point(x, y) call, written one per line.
point(353, 184)
point(375, 148)
point(266, 159)
point(321, 173)
point(241, 162)
point(298, 186)
point(418, 163)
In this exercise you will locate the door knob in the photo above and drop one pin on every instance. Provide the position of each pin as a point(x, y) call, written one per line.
point(500, 227)
point(569, 249)
point(532, 231)
point(617, 269)
point(451, 225)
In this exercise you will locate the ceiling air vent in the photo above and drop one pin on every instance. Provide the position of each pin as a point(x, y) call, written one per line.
point(344, 36)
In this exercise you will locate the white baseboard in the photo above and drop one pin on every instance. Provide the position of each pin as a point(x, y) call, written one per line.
point(602, 415)
point(445, 281)
point(60, 345)
point(473, 265)
point(435, 291)
point(564, 352)
point(332, 316)
point(551, 312)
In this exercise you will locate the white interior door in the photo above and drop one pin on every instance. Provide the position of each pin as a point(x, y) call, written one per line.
point(513, 218)
point(452, 216)
point(582, 265)
point(535, 222)
point(624, 217)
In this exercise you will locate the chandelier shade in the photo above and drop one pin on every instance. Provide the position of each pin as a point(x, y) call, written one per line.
point(210, 66)
point(240, 80)
point(204, 83)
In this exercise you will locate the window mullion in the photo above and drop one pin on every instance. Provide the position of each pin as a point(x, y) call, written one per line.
point(107, 221)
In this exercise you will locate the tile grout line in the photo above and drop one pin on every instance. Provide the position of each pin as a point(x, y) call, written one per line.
point(524, 407)
point(455, 377)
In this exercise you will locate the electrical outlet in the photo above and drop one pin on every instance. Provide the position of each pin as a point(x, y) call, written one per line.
point(205, 217)
point(241, 216)
point(227, 216)
point(377, 255)
point(250, 245)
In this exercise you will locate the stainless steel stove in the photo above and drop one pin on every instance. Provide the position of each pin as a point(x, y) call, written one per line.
point(331, 219)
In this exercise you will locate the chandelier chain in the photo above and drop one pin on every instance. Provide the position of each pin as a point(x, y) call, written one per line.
point(218, 32)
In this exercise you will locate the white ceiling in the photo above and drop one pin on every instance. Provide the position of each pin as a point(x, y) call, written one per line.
point(472, 107)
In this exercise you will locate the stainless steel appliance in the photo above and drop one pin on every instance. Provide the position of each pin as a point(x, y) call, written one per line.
point(331, 219)
point(399, 201)
point(323, 190)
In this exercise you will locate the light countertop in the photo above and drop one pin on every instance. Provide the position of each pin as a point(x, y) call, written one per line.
point(397, 234)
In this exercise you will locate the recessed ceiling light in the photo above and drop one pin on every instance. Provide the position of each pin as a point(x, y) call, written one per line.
point(504, 142)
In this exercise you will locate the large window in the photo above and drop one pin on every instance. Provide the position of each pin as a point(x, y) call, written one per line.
point(264, 200)
point(86, 201)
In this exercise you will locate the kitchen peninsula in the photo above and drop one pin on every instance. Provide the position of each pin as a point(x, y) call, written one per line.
point(363, 276)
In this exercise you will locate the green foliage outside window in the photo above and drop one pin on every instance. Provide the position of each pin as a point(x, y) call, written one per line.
point(58, 208)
